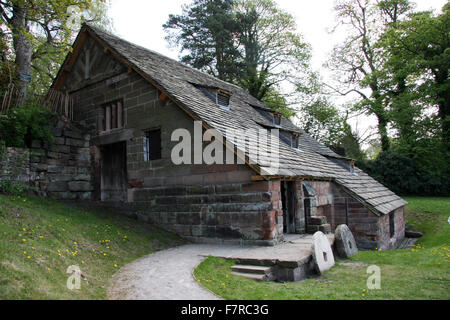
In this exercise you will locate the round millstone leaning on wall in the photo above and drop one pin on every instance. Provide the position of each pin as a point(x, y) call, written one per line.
point(344, 242)
point(322, 253)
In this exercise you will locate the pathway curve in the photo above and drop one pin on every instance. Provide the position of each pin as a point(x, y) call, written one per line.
point(166, 275)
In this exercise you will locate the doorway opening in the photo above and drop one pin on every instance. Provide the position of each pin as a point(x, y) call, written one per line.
point(114, 172)
point(288, 204)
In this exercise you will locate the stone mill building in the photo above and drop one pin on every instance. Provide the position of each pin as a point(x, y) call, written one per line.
point(128, 101)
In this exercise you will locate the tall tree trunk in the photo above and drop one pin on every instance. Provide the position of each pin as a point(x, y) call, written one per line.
point(22, 48)
point(382, 130)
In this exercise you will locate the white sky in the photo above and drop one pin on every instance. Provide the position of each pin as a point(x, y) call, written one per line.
point(140, 22)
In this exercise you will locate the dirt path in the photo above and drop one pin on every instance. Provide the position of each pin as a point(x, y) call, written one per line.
point(165, 275)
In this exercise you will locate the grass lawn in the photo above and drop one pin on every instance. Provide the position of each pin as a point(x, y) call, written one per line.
point(40, 239)
point(420, 273)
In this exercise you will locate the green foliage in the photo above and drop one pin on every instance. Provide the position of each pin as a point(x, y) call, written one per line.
point(40, 34)
point(13, 187)
point(7, 69)
point(22, 125)
point(205, 32)
point(251, 43)
point(276, 101)
point(404, 176)
point(271, 50)
point(322, 121)
point(417, 52)
point(348, 144)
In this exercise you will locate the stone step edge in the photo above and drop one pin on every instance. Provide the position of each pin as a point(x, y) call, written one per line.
point(240, 268)
point(259, 277)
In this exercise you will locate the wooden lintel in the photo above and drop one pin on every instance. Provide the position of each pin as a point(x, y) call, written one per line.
point(257, 178)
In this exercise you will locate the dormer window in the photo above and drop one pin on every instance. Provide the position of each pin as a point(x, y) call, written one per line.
point(277, 119)
point(295, 141)
point(223, 99)
point(220, 97)
point(352, 167)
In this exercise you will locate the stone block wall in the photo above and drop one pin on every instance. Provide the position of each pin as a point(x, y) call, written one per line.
point(61, 171)
point(203, 203)
point(384, 232)
point(370, 230)
point(15, 165)
point(235, 212)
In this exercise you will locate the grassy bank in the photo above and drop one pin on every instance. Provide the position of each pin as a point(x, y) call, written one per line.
point(40, 239)
point(420, 273)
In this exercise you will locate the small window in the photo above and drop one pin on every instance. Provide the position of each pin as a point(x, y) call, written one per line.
point(277, 119)
point(152, 145)
point(352, 167)
point(392, 224)
point(223, 99)
point(295, 141)
point(110, 116)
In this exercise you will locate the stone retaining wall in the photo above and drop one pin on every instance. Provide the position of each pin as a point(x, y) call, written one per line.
point(227, 213)
point(61, 171)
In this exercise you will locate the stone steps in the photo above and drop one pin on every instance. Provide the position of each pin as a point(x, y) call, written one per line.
point(251, 269)
point(260, 273)
point(317, 223)
point(407, 243)
point(259, 277)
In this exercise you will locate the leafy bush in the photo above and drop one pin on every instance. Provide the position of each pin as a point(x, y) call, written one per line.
point(404, 176)
point(22, 125)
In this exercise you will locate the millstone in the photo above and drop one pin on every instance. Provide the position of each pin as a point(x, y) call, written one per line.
point(344, 242)
point(322, 253)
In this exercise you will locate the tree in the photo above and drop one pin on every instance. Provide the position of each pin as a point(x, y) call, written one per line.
point(358, 61)
point(41, 36)
point(271, 50)
point(321, 120)
point(418, 55)
point(204, 31)
point(251, 43)
point(6, 65)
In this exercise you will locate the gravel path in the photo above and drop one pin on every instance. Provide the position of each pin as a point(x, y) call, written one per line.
point(165, 275)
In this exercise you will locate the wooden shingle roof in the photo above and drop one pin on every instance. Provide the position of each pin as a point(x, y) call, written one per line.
point(180, 83)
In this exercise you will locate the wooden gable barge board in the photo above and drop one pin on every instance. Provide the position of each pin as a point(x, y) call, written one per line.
point(293, 178)
point(66, 67)
point(78, 45)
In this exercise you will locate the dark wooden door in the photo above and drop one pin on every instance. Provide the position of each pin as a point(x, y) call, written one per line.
point(288, 203)
point(114, 173)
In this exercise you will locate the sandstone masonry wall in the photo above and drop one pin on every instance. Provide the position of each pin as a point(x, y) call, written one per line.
point(62, 171)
